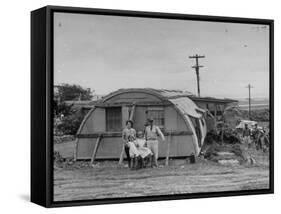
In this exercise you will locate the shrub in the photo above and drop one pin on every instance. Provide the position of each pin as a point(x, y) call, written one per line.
point(258, 115)
point(70, 124)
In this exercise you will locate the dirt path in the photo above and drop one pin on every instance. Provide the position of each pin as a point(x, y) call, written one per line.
point(107, 180)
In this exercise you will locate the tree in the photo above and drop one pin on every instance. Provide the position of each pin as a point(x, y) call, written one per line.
point(66, 118)
point(69, 125)
point(67, 92)
point(61, 108)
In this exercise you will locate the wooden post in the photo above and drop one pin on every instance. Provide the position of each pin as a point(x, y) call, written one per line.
point(76, 149)
point(132, 112)
point(121, 158)
point(96, 149)
point(121, 155)
point(168, 148)
point(249, 86)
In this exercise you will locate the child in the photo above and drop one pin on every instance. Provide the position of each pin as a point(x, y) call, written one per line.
point(134, 152)
point(144, 152)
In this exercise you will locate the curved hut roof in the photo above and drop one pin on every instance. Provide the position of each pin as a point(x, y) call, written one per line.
point(180, 99)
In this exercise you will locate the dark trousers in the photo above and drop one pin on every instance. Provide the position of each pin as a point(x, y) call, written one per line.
point(127, 151)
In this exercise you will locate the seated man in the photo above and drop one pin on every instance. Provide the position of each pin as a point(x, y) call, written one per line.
point(144, 152)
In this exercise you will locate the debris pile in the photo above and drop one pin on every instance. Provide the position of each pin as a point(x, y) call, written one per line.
point(230, 151)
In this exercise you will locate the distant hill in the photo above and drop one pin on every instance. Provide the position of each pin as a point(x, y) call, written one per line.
point(256, 103)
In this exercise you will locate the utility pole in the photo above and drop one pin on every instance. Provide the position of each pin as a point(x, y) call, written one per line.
point(249, 86)
point(196, 67)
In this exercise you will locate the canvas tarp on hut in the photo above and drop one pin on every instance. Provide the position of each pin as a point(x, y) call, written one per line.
point(189, 109)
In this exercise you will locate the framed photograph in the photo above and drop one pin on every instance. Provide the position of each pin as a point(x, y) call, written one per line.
point(134, 106)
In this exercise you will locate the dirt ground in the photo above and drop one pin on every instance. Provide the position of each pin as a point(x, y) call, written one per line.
point(106, 179)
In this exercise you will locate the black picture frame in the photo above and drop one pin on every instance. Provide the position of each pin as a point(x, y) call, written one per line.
point(42, 97)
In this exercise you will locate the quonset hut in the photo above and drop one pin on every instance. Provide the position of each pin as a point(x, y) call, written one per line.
point(180, 119)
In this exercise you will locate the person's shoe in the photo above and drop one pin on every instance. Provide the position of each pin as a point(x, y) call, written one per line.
point(129, 164)
point(132, 163)
point(142, 164)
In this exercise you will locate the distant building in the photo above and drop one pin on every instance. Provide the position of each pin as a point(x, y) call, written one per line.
point(215, 106)
point(77, 104)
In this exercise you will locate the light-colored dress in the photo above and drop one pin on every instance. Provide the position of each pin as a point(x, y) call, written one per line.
point(144, 151)
point(134, 152)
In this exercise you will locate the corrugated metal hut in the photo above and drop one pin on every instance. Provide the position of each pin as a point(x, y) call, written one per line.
point(180, 119)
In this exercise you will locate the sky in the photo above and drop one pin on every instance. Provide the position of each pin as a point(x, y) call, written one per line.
point(106, 53)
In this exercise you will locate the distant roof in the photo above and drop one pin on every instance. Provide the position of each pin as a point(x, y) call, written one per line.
point(213, 99)
point(81, 103)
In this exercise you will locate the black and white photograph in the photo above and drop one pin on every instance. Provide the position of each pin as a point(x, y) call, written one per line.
point(147, 106)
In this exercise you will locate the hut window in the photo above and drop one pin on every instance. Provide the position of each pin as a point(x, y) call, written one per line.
point(113, 119)
point(158, 116)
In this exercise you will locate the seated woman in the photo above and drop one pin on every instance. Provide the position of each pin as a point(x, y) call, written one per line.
point(128, 131)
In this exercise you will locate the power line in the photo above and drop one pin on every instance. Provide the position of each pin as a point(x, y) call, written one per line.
point(197, 67)
point(249, 86)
